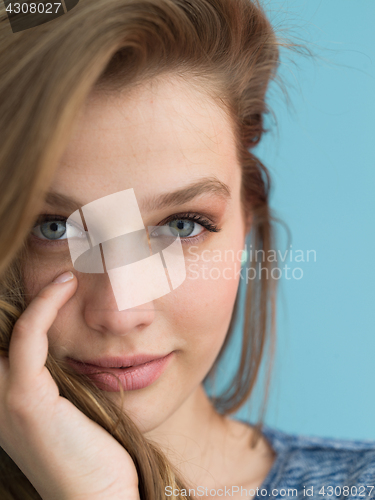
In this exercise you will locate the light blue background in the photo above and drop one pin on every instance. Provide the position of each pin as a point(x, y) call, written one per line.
point(322, 159)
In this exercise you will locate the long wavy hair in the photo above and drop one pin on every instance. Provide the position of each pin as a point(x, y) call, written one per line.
point(226, 47)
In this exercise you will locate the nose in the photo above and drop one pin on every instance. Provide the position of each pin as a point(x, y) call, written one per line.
point(101, 312)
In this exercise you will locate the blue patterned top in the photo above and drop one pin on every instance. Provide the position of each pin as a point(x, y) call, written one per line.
point(319, 468)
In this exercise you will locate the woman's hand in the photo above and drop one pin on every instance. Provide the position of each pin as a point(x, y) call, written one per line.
point(63, 453)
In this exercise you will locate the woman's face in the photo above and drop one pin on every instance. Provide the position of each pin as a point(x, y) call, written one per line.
point(160, 138)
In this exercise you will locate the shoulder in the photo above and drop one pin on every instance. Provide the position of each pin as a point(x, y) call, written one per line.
point(316, 462)
point(289, 440)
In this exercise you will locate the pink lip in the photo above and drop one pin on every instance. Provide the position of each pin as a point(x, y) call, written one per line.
point(135, 372)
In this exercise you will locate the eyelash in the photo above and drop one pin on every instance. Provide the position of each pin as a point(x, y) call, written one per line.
point(192, 216)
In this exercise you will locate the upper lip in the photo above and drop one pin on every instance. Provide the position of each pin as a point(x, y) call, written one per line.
point(120, 362)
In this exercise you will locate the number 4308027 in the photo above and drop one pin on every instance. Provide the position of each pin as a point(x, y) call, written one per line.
point(345, 491)
point(34, 8)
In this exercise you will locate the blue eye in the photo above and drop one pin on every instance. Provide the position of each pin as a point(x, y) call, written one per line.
point(184, 228)
point(54, 230)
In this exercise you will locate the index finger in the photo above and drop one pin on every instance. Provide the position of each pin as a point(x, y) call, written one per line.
point(28, 347)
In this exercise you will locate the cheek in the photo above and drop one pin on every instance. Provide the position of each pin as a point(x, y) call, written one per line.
point(41, 265)
point(201, 308)
point(38, 273)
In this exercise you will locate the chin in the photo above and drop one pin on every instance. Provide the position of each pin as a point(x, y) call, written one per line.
point(147, 409)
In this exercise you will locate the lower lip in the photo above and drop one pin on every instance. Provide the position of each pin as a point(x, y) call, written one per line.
point(130, 379)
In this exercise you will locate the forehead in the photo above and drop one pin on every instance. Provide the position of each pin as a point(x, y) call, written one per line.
point(157, 137)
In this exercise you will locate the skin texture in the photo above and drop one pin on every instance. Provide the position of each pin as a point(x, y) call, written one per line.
point(157, 138)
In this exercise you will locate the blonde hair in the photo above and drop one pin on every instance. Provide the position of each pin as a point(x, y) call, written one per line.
point(47, 72)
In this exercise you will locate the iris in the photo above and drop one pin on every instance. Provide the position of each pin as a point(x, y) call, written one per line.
point(182, 227)
point(53, 230)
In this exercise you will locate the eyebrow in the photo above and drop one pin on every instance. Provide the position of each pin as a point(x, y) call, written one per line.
point(188, 193)
point(62, 202)
point(178, 197)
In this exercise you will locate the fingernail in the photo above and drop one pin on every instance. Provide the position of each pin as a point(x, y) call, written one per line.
point(64, 277)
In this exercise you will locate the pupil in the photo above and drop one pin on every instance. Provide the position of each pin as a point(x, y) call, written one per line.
point(54, 227)
point(180, 224)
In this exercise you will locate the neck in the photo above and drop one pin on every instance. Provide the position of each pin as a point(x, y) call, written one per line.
point(199, 442)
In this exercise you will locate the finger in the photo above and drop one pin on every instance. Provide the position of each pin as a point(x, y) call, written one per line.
point(28, 347)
